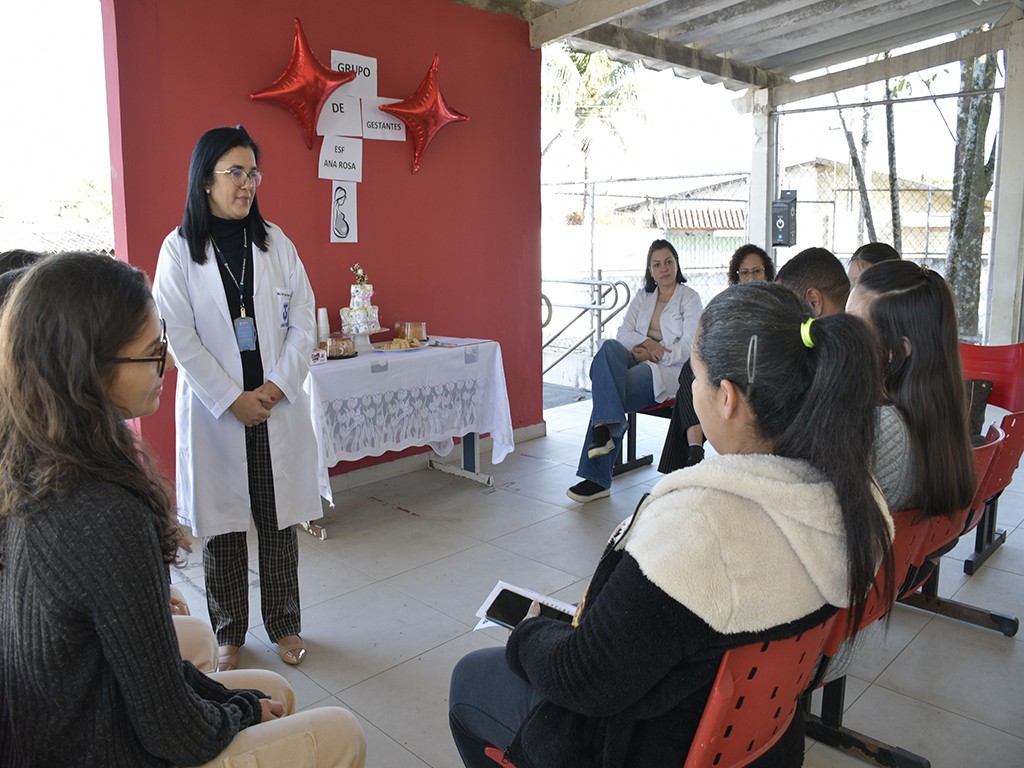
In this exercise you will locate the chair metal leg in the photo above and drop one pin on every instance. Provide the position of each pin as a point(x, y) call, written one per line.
point(632, 460)
point(927, 599)
point(828, 729)
point(863, 747)
point(980, 617)
point(987, 538)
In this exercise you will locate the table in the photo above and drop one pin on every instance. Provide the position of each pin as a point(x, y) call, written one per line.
point(390, 401)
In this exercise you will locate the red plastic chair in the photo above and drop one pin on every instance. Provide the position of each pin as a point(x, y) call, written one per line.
point(752, 701)
point(944, 531)
point(984, 515)
point(984, 457)
point(993, 462)
point(754, 698)
point(912, 533)
point(631, 460)
point(1003, 366)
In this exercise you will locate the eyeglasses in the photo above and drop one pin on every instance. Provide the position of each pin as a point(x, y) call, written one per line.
point(160, 359)
point(254, 177)
point(755, 272)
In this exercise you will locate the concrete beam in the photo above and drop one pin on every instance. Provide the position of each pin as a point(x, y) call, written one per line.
point(581, 16)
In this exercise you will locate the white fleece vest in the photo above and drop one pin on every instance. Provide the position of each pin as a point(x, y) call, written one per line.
point(746, 542)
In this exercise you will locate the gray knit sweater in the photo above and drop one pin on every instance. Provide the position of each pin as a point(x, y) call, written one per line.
point(90, 672)
point(894, 462)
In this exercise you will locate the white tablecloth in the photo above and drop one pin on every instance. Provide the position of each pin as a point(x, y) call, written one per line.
point(389, 401)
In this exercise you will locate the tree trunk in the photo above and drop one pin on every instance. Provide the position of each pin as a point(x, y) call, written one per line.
point(972, 181)
point(894, 179)
point(858, 170)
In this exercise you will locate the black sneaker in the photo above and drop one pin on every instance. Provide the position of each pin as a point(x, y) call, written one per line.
point(694, 455)
point(601, 442)
point(587, 490)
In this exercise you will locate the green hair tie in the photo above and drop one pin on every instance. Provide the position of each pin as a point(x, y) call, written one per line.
point(805, 332)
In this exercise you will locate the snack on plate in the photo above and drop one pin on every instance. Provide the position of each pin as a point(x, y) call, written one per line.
point(400, 344)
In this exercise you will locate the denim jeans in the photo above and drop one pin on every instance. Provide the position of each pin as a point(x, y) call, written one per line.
point(620, 386)
point(487, 703)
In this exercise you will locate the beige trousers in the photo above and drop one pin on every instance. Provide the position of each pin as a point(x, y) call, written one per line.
point(325, 737)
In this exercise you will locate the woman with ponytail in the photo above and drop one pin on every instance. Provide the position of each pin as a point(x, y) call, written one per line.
point(763, 541)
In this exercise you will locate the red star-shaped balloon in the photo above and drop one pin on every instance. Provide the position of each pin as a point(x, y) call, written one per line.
point(304, 86)
point(425, 113)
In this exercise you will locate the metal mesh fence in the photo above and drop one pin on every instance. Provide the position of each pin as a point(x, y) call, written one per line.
point(607, 226)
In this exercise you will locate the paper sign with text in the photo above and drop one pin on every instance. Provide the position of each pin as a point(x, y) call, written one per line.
point(341, 158)
point(340, 116)
point(381, 125)
point(365, 68)
point(344, 222)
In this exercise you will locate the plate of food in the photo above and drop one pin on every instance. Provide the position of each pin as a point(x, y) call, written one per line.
point(400, 345)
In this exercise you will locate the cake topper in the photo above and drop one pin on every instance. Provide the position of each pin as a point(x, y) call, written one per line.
point(359, 273)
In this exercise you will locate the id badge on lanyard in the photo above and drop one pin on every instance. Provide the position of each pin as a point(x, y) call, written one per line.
point(245, 333)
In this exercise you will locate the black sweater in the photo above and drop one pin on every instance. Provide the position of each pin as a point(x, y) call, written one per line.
point(750, 545)
point(91, 672)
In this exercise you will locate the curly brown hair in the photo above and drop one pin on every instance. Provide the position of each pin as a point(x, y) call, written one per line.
point(65, 320)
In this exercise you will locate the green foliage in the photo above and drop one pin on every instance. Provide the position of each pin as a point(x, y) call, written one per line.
point(585, 93)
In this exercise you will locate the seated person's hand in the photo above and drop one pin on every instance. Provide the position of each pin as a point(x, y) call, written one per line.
point(534, 611)
point(178, 608)
point(640, 353)
point(655, 351)
point(272, 710)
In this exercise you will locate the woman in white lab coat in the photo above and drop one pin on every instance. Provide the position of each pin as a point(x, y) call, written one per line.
point(240, 323)
point(639, 367)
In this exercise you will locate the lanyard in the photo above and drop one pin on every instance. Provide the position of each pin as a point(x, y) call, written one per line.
point(245, 257)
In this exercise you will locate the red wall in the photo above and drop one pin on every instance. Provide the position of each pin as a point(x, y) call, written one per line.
point(456, 245)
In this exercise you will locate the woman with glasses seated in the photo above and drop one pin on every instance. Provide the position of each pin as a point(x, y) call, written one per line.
point(241, 325)
point(759, 543)
point(684, 440)
point(90, 669)
point(636, 369)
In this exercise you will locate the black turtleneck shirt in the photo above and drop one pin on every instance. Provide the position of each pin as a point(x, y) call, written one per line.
point(233, 241)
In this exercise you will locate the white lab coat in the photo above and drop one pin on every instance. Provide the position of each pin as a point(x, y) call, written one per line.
point(212, 477)
point(678, 325)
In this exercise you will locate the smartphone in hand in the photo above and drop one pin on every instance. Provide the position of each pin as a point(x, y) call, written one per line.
point(509, 608)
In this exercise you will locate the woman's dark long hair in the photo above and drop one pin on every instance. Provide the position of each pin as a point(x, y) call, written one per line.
point(741, 253)
point(870, 254)
point(649, 285)
point(66, 318)
point(197, 219)
point(816, 404)
point(909, 302)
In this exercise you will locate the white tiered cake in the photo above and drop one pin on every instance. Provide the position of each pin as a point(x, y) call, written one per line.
point(360, 317)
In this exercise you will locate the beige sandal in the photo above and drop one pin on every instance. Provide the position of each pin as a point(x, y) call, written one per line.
point(228, 658)
point(291, 649)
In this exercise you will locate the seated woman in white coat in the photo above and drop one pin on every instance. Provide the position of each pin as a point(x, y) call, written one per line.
point(240, 322)
point(639, 367)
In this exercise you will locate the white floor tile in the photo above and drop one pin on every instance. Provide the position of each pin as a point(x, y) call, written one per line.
point(362, 633)
point(420, 724)
point(946, 739)
point(457, 585)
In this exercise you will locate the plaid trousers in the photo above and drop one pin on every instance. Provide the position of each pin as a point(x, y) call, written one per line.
point(226, 559)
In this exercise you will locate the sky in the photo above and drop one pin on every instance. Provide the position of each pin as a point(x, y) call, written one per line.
point(54, 135)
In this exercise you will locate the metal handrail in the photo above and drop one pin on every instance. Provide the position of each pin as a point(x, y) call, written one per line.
point(598, 309)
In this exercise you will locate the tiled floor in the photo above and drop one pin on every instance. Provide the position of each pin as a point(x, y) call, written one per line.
point(389, 601)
